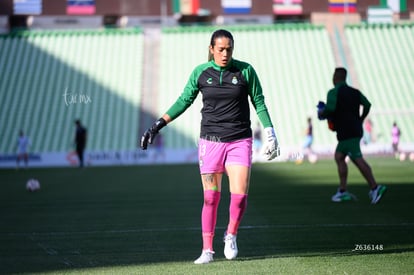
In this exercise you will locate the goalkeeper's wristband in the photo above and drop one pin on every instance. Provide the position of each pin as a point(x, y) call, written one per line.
point(158, 125)
point(270, 133)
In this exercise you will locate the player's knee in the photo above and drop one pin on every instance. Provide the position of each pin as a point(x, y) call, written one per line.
point(211, 197)
point(340, 159)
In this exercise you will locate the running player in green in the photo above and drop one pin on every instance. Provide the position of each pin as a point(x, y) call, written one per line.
point(343, 109)
point(225, 143)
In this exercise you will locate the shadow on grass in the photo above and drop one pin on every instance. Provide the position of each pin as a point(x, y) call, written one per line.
point(121, 216)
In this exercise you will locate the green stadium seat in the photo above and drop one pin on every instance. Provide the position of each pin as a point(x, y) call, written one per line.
point(294, 63)
point(105, 65)
point(383, 57)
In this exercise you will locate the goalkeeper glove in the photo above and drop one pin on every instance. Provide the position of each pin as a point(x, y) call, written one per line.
point(272, 149)
point(151, 133)
point(321, 107)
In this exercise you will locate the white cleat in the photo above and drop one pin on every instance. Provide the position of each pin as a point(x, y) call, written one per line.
point(230, 246)
point(205, 258)
point(376, 195)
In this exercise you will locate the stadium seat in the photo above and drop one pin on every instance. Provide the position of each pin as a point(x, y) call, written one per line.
point(102, 68)
point(383, 57)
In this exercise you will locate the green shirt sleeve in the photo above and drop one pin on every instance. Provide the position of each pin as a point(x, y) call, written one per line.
point(330, 102)
point(365, 102)
point(188, 96)
point(366, 106)
point(257, 97)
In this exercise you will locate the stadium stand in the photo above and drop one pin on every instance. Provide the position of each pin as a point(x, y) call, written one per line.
point(50, 78)
point(44, 70)
point(383, 56)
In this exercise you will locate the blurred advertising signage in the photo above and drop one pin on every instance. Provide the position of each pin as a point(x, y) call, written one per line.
point(395, 5)
point(80, 7)
point(342, 6)
point(236, 6)
point(27, 6)
point(186, 7)
point(287, 7)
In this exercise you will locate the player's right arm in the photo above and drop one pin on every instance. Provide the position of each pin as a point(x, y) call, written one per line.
point(330, 103)
point(366, 106)
point(189, 94)
point(184, 101)
point(272, 149)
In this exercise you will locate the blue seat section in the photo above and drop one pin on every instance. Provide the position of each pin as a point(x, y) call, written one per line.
point(52, 78)
point(294, 63)
point(384, 58)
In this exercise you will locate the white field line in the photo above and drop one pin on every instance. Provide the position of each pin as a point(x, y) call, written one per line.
point(245, 227)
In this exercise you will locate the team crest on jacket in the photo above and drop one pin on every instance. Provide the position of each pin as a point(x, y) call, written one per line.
point(234, 80)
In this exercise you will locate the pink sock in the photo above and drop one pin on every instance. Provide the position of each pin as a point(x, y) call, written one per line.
point(238, 204)
point(209, 217)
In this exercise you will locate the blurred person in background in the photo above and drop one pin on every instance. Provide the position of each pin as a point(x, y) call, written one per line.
point(307, 151)
point(368, 133)
point(343, 108)
point(80, 141)
point(395, 137)
point(23, 144)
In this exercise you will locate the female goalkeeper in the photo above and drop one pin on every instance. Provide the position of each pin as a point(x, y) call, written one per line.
point(225, 144)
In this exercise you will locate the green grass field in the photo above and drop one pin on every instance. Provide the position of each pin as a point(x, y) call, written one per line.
point(146, 220)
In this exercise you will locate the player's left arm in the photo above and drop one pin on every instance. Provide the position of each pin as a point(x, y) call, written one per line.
point(256, 96)
point(186, 98)
point(366, 106)
point(184, 101)
point(272, 149)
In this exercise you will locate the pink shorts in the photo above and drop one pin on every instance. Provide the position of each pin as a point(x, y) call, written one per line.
point(215, 156)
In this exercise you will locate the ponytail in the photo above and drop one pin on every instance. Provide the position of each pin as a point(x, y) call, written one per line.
point(210, 55)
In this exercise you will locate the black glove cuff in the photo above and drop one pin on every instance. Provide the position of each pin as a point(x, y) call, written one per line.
point(158, 125)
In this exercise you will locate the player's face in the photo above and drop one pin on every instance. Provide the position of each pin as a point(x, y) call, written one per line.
point(222, 51)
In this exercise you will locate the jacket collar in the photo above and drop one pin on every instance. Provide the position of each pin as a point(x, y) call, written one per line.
point(219, 68)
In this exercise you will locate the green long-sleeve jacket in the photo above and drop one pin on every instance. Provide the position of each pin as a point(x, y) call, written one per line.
point(225, 92)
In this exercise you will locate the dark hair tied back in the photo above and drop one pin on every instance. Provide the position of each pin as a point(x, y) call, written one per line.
point(218, 34)
point(221, 33)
